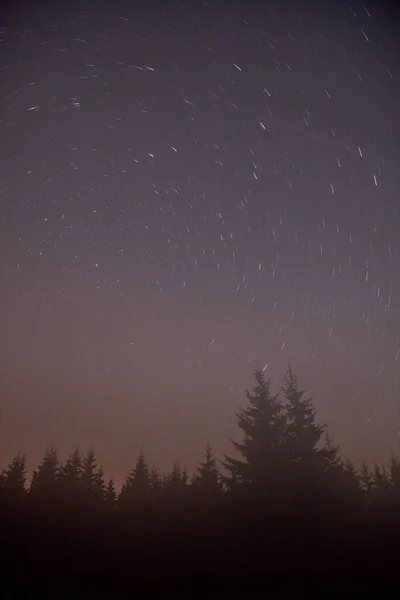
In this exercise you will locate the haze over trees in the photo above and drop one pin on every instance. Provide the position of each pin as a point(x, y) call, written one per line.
point(284, 494)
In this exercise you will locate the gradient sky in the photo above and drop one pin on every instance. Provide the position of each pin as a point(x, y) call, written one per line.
point(187, 191)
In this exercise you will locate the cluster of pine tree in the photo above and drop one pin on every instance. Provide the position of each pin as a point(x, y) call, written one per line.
point(287, 502)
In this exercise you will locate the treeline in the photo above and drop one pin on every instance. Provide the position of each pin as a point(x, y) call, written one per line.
point(286, 502)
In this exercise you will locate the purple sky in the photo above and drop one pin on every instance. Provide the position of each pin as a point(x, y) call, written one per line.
point(189, 190)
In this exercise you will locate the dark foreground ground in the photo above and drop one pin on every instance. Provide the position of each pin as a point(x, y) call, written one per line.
point(41, 557)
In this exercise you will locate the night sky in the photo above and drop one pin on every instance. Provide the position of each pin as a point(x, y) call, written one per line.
point(189, 191)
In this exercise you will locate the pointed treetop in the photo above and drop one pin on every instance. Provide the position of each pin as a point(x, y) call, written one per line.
point(263, 425)
point(45, 476)
point(13, 479)
point(207, 478)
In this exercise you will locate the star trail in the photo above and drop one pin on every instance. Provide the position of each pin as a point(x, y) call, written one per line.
point(189, 190)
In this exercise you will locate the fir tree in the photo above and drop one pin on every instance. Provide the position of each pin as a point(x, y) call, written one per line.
point(303, 434)
point(45, 485)
point(13, 483)
point(2, 479)
point(366, 483)
point(71, 480)
point(92, 478)
point(394, 474)
point(99, 487)
point(207, 479)
point(136, 489)
point(263, 426)
point(155, 481)
point(89, 470)
point(177, 480)
point(176, 486)
point(184, 478)
point(381, 489)
point(353, 493)
point(110, 496)
point(176, 501)
point(331, 460)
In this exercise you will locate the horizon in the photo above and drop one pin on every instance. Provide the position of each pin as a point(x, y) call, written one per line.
point(188, 192)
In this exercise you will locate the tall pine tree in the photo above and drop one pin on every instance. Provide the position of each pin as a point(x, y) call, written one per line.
point(263, 425)
point(136, 489)
point(303, 434)
point(44, 489)
point(366, 485)
point(176, 482)
point(155, 481)
point(314, 460)
point(92, 479)
point(206, 481)
point(110, 496)
point(71, 482)
point(13, 484)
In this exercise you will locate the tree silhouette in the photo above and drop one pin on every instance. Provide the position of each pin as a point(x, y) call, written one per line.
point(303, 434)
point(314, 459)
point(155, 480)
point(350, 474)
point(353, 495)
point(88, 470)
point(381, 489)
point(71, 481)
point(136, 489)
point(92, 479)
point(176, 482)
point(288, 489)
point(331, 460)
point(100, 484)
point(110, 496)
point(176, 489)
point(394, 476)
point(184, 478)
point(263, 425)
point(13, 483)
point(207, 480)
point(394, 473)
point(45, 484)
point(366, 483)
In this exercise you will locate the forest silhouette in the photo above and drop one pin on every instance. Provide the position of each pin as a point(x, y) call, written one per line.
point(285, 506)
